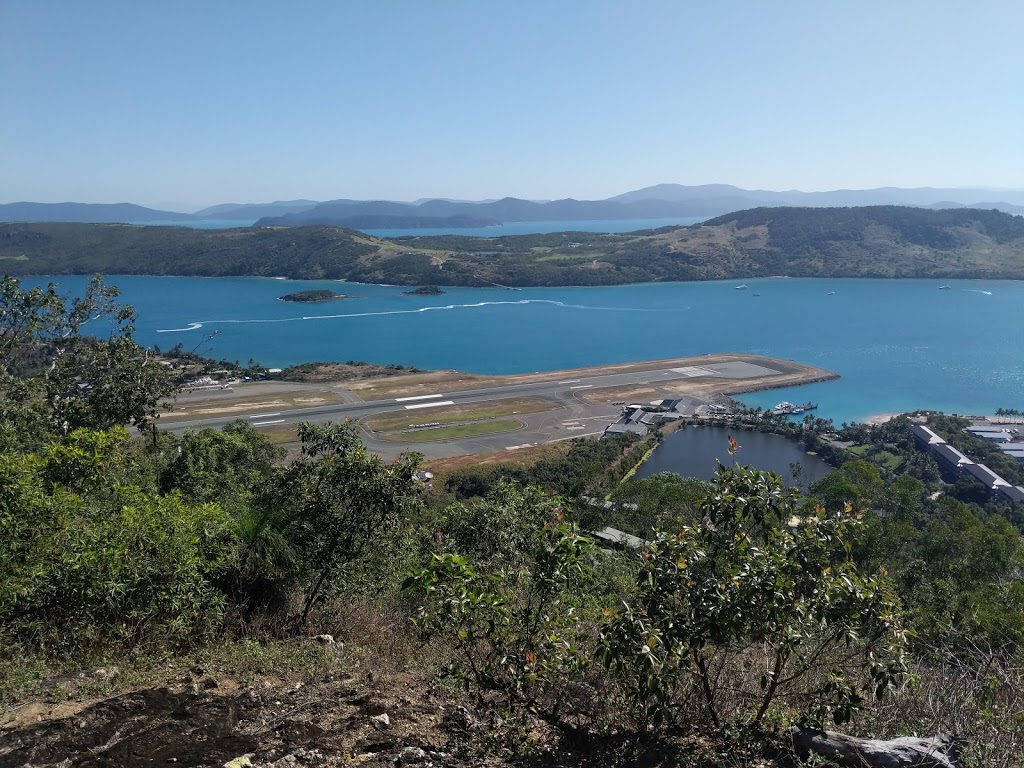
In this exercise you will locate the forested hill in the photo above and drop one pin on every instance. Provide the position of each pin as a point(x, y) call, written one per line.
point(875, 241)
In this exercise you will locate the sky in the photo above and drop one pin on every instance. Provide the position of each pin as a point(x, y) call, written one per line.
point(181, 104)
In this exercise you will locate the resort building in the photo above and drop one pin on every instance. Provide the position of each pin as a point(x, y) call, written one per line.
point(992, 435)
point(956, 464)
point(949, 458)
point(1011, 493)
point(924, 436)
point(986, 476)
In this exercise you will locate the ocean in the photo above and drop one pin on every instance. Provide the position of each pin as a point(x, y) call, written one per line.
point(897, 344)
point(509, 228)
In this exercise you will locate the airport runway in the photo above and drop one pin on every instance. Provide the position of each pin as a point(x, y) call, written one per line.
point(562, 394)
point(569, 417)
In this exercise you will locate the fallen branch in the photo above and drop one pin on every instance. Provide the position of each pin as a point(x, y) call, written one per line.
point(940, 751)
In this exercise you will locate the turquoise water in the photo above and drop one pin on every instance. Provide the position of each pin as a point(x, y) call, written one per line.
point(898, 344)
point(509, 228)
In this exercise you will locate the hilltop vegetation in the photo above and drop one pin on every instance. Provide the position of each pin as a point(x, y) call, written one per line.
point(750, 610)
point(878, 241)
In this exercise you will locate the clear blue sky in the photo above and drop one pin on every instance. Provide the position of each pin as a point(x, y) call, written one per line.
point(193, 102)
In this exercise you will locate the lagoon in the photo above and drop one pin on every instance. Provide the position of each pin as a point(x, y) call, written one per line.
point(897, 344)
point(694, 451)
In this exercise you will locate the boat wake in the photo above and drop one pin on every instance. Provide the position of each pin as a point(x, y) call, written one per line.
point(446, 307)
point(976, 290)
point(191, 327)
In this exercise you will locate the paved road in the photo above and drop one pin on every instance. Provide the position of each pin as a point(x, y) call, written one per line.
point(582, 419)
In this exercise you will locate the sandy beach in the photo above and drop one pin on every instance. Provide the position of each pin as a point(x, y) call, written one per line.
point(880, 418)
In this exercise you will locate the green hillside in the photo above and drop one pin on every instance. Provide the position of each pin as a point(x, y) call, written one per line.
point(875, 241)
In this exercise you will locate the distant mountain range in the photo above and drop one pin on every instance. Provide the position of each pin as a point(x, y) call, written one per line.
point(660, 201)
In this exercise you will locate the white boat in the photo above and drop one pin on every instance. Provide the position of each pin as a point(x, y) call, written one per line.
point(741, 287)
point(945, 288)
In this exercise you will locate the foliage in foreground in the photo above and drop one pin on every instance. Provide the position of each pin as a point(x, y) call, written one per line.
point(758, 608)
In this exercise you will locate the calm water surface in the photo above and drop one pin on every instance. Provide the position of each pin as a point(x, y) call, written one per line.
point(508, 228)
point(696, 451)
point(898, 344)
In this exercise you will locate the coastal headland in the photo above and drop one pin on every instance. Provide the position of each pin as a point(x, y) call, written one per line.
point(447, 413)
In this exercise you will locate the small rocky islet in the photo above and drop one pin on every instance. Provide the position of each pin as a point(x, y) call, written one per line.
point(311, 297)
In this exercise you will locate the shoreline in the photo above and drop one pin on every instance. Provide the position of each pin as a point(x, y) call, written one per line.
point(880, 418)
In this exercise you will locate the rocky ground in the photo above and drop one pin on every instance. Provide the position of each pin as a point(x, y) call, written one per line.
point(359, 717)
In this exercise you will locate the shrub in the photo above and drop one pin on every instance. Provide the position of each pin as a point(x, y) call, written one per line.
point(757, 606)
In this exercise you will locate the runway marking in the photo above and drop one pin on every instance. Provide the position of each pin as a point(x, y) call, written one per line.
point(265, 423)
point(264, 415)
point(428, 405)
point(582, 386)
point(417, 397)
point(694, 371)
point(579, 427)
point(569, 381)
point(517, 447)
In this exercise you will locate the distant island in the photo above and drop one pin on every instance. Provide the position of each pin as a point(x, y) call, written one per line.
point(424, 290)
point(659, 201)
point(308, 297)
point(875, 241)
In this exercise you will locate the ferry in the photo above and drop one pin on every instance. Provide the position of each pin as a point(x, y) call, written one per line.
point(788, 409)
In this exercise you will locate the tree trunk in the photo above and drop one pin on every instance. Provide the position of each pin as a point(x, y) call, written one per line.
point(925, 752)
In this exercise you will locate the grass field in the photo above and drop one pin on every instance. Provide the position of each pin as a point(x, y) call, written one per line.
point(888, 460)
point(448, 433)
point(389, 422)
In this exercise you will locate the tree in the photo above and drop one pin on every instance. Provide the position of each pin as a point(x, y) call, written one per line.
point(338, 498)
point(218, 465)
point(760, 583)
point(505, 589)
point(52, 371)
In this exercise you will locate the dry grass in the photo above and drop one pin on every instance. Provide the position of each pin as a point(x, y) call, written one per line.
point(457, 432)
point(388, 422)
point(521, 457)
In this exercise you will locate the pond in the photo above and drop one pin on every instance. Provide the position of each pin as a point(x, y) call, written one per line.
point(693, 450)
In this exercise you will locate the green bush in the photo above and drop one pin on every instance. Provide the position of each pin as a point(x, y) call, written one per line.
point(757, 608)
point(508, 602)
point(85, 570)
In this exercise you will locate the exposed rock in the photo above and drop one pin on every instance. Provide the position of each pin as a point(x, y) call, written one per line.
point(413, 756)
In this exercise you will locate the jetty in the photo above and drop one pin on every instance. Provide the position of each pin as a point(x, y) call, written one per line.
point(788, 409)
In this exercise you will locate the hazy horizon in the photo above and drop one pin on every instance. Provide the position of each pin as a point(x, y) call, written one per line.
point(191, 104)
point(189, 208)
